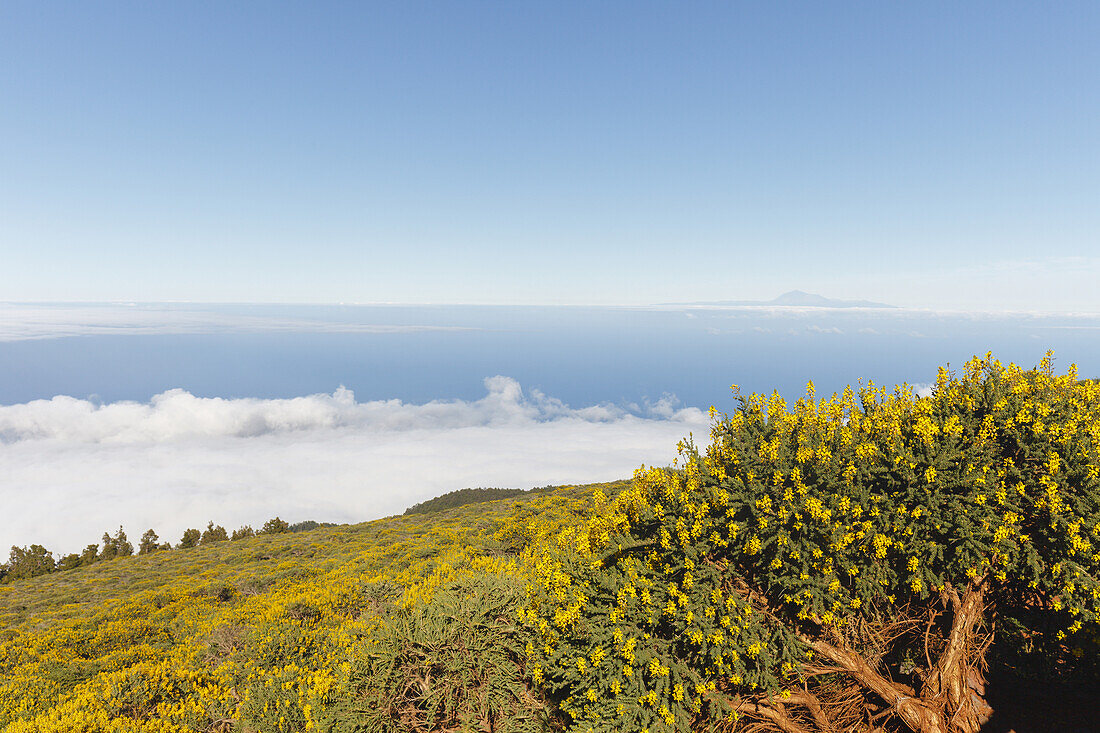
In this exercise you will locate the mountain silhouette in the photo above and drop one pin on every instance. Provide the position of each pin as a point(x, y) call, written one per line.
point(797, 298)
point(800, 298)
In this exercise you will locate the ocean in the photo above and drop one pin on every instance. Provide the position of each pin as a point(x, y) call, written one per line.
point(580, 355)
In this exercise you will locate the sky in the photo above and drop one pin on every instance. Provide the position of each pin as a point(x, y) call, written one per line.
point(938, 155)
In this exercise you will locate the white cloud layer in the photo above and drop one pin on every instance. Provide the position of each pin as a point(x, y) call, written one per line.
point(71, 469)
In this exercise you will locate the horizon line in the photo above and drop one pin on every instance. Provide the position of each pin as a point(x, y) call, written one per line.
point(669, 305)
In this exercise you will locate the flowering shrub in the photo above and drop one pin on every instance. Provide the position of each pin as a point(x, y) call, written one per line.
point(819, 563)
point(285, 631)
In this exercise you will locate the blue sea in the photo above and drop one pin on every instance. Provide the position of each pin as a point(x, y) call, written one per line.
point(580, 355)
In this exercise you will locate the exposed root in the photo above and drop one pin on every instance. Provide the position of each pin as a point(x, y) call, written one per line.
point(847, 687)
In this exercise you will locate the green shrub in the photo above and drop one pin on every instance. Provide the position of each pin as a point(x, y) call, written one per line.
point(461, 497)
point(213, 534)
point(274, 526)
point(455, 665)
point(28, 562)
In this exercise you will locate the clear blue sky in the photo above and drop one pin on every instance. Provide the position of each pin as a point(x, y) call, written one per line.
point(932, 155)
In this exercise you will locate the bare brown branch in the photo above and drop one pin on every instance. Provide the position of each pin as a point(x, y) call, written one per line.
point(953, 682)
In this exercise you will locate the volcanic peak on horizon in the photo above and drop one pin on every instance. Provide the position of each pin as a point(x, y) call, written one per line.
point(798, 298)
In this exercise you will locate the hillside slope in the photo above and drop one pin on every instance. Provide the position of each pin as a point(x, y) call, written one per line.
point(267, 633)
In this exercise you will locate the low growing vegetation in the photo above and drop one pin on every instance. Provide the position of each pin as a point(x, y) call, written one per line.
point(288, 631)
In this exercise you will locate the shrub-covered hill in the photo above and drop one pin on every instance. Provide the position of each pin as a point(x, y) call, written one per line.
point(463, 497)
point(286, 632)
point(863, 562)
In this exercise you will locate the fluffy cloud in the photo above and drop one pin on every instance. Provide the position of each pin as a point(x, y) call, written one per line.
point(70, 469)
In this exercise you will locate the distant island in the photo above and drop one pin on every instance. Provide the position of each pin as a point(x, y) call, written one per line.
point(797, 298)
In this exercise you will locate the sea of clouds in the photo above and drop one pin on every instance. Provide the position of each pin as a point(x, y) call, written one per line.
point(71, 469)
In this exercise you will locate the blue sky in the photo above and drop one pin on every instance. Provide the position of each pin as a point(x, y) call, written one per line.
point(925, 154)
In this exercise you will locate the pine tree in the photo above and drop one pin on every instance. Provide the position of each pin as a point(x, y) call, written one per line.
point(28, 562)
point(122, 544)
point(90, 554)
point(243, 532)
point(214, 534)
point(148, 543)
point(274, 526)
point(110, 550)
point(69, 562)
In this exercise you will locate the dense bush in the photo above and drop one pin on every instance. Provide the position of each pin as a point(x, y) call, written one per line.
point(308, 525)
point(117, 546)
point(457, 663)
point(274, 526)
point(461, 497)
point(190, 539)
point(213, 534)
point(846, 556)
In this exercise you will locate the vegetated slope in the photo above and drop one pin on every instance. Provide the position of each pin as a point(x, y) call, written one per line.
point(271, 632)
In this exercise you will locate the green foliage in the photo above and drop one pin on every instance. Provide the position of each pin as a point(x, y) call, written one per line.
point(461, 497)
point(283, 652)
point(28, 562)
point(308, 525)
point(213, 534)
point(148, 542)
point(274, 526)
point(117, 546)
point(243, 533)
point(456, 664)
point(109, 551)
point(90, 555)
point(536, 520)
point(69, 562)
point(190, 538)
